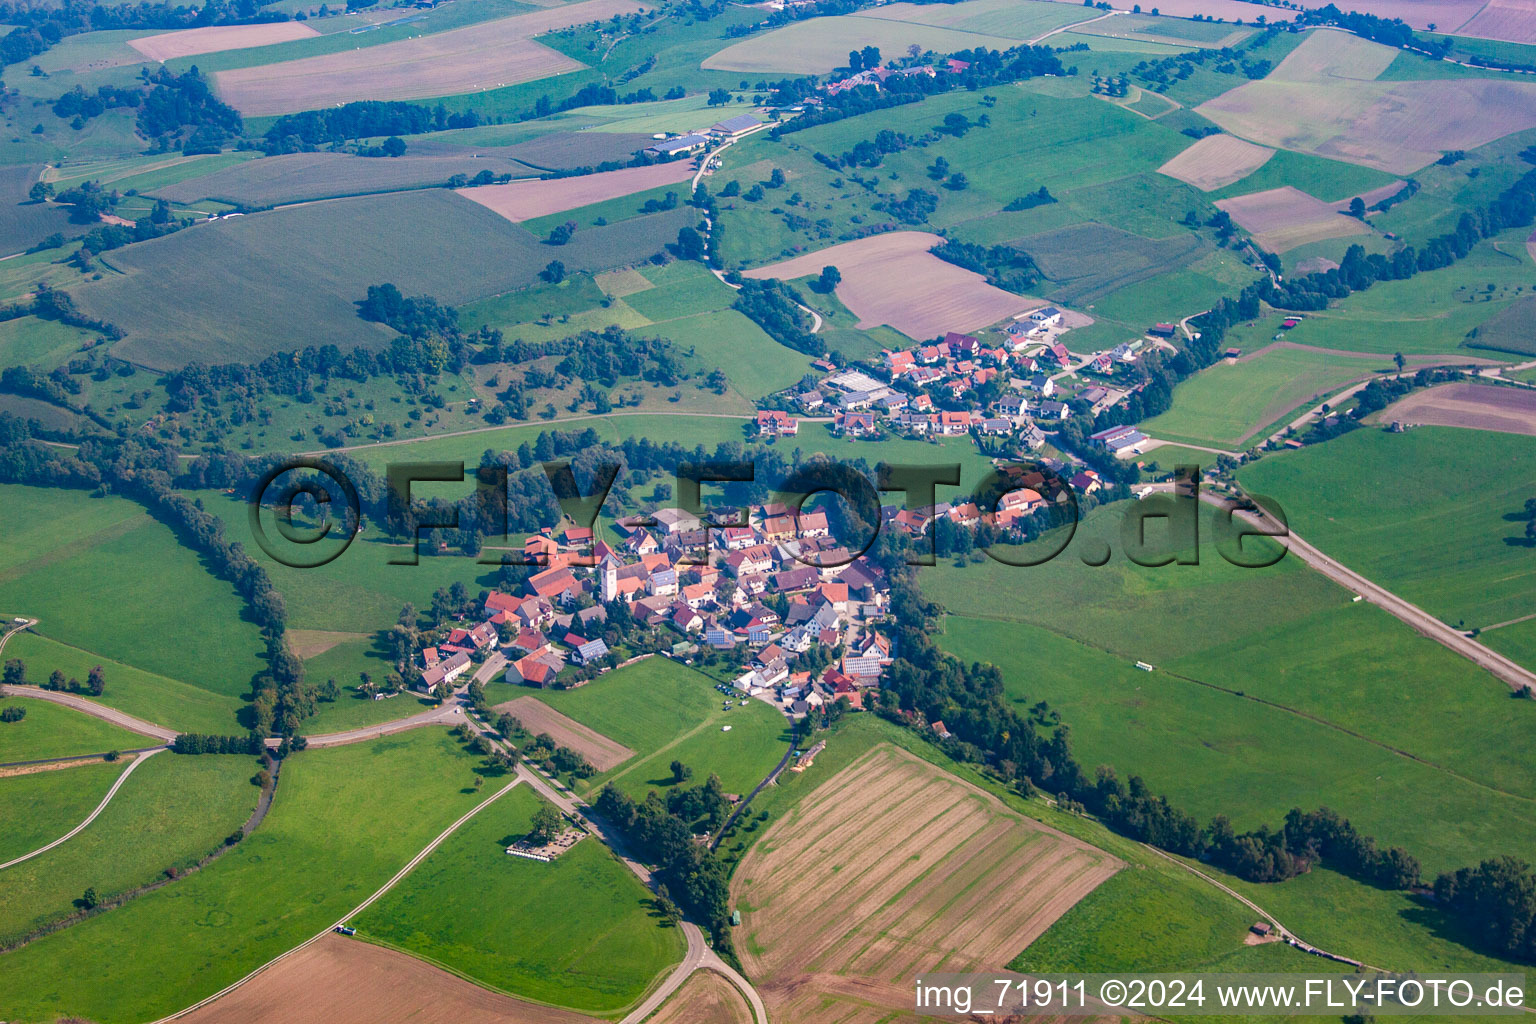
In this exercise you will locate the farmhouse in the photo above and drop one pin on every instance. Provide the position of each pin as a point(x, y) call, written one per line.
point(1118, 439)
point(445, 671)
point(680, 144)
point(734, 127)
point(773, 423)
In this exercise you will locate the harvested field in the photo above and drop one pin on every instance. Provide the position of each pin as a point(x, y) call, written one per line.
point(213, 38)
point(893, 867)
point(1230, 10)
point(538, 717)
point(1283, 218)
point(525, 200)
point(1015, 19)
point(469, 59)
point(705, 998)
point(1216, 160)
point(1329, 54)
point(1511, 20)
point(344, 981)
point(893, 279)
point(1396, 127)
point(1476, 406)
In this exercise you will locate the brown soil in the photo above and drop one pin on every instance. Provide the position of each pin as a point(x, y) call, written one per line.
point(214, 38)
point(705, 998)
point(537, 717)
point(1478, 406)
point(1216, 160)
point(52, 766)
point(893, 279)
point(344, 981)
point(307, 643)
point(890, 868)
point(524, 200)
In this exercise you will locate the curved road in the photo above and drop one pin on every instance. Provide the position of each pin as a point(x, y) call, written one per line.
point(92, 817)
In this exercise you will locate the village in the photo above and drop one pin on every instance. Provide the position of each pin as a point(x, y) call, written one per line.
point(1017, 388)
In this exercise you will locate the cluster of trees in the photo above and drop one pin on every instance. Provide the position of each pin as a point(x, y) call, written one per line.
point(95, 682)
point(602, 357)
point(12, 713)
point(689, 871)
point(912, 208)
point(202, 743)
point(870, 152)
point(1160, 74)
point(361, 119)
point(1496, 902)
point(1039, 197)
point(775, 307)
point(174, 110)
point(1002, 265)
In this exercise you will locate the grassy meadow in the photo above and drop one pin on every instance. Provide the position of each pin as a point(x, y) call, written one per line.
point(579, 932)
point(40, 807)
point(170, 812)
point(52, 730)
point(345, 819)
point(665, 711)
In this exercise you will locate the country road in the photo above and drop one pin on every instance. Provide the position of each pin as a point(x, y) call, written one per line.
point(410, 866)
point(140, 759)
point(1513, 675)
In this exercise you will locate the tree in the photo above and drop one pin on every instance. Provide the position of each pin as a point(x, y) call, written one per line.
point(12, 714)
point(55, 680)
point(855, 60)
point(554, 273)
point(1399, 361)
point(394, 146)
point(546, 824)
point(1530, 531)
point(777, 179)
point(830, 278)
point(1357, 208)
point(15, 672)
point(719, 97)
point(681, 772)
point(691, 245)
point(871, 57)
point(41, 191)
point(562, 233)
point(958, 182)
point(96, 681)
point(90, 901)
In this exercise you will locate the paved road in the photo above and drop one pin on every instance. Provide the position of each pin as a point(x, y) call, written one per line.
point(1507, 671)
point(93, 709)
point(92, 817)
point(425, 852)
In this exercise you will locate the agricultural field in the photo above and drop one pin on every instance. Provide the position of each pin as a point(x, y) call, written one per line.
point(472, 59)
point(52, 730)
point(344, 821)
point(1230, 404)
point(283, 253)
point(1458, 494)
point(24, 223)
point(578, 932)
point(521, 201)
point(1392, 126)
point(1284, 218)
point(1216, 160)
point(171, 812)
point(882, 870)
point(815, 48)
point(893, 279)
point(664, 711)
point(41, 806)
point(193, 41)
point(705, 998)
point(334, 977)
point(1474, 406)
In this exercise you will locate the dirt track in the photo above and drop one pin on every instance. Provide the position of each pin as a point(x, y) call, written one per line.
point(344, 981)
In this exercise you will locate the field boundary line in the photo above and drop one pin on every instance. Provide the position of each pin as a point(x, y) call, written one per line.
point(399, 875)
point(116, 785)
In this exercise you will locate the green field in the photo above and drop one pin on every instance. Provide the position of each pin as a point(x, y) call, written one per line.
point(816, 47)
point(1220, 735)
point(45, 344)
point(182, 623)
point(1325, 179)
point(170, 812)
point(665, 711)
point(578, 932)
point(345, 820)
point(52, 730)
point(40, 807)
point(353, 710)
point(1431, 514)
point(290, 275)
point(1228, 405)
